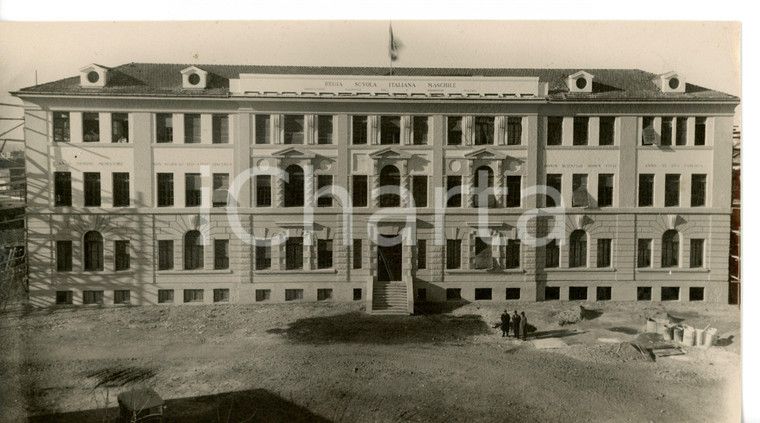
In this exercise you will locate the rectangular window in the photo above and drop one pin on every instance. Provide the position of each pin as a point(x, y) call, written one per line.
point(420, 130)
point(606, 130)
point(513, 254)
point(220, 185)
point(454, 197)
point(514, 130)
point(324, 294)
point(605, 190)
point(192, 189)
point(193, 295)
point(90, 127)
point(453, 253)
point(165, 254)
point(696, 293)
point(483, 294)
point(294, 253)
point(120, 128)
point(644, 293)
point(552, 254)
point(61, 127)
point(359, 190)
point(604, 252)
point(221, 295)
point(263, 257)
point(293, 294)
point(164, 128)
point(484, 130)
point(513, 294)
point(294, 129)
point(646, 190)
point(221, 254)
point(121, 255)
point(672, 190)
point(192, 128)
point(700, 131)
point(554, 180)
point(121, 296)
point(165, 296)
point(454, 130)
point(554, 130)
point(357, 250)
point(580, 131)
point(359, 130)
point(357, 294)
point(324, 254)
point(666, 137)
point(578, 293)
point(698, 190)
point(63, 256)
point(390, 129)
point(682, 125)
point(603, 293)
point(325, 181)
point(263, 129)
point(648, 133)
point(64, 297)
point(420, 190)
point(62, 189)
point(324, 129)
point(514, 190)
point(421, 254)
point(92, 189)
point(644, 253)
point(580, 190)
point(120, 189)
point(483, 258)
point(670, 293)
point(263, 295)
point(220, 129)
point(453, 294)
point(551, 293)
point(165, 189)
point(263, 191)
point(92, 297)
point(697, 254)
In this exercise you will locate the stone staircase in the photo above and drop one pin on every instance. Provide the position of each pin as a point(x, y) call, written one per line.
point(390, 298)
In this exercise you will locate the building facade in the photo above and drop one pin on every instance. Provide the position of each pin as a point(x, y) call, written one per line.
point(148, 182)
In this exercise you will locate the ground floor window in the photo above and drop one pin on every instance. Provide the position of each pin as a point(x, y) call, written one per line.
point(357, 294)
point(263, 294)
point(324, 294)
point(552, 254)
point(670, 293)
point(453, 294)
point(64, 297)
point(293, 294)
point(578, 293)
point(644, 293)
point(92, 297)
point(453, 253)
point(263, 257)
point(165, 296)
point(551, 293)
point(483, 294)
point(513, 293)
point(165, 255)
point(121, 296)
point(603, 293)
point(193, 295)
point(221, 295)
point(696, 294)
point(294, 253)
point(324, 254)
point(513, 254)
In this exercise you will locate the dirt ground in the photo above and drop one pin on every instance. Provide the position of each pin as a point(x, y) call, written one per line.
point(330, 362)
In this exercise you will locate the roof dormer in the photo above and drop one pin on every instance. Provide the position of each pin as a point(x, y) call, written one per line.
point(94, 76)
point(580, 82)
point(670, 83)
point(194, 78)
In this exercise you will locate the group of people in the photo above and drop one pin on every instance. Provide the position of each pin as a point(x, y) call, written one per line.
point(517, 322)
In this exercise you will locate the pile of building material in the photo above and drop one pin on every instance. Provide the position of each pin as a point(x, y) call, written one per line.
point(681, 333)
point(571, 315)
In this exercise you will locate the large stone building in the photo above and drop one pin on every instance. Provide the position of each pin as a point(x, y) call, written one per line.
point(129, 169)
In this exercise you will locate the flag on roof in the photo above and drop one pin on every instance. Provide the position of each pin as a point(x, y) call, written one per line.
point(394, 45)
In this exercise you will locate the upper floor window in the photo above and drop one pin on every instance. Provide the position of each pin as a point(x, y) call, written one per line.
point(220, 129)
point(193, 250)
point(682, 125)
point(62, 189)
point(454, 130)
point(580, 190)
point(698, 190)
point(221, 185)
point(294, 187)
point(554, 181)
point(324, 129)
point(263, 129)
point(192, 128)
point(672, 190)
point(90, 127)
point(666, 131)
point(454, 191)
point(359, 190)
point(92, 189)
point(514, 190)
point(325, 181)
point(61, 127)
point(605, 190)
point(165, 189)
point(514, 130)
point(359, 130)
point(483, 183)
point(646, 190)
point(420, 130)
point(93, 251)
point(192, 189)
point(390, 130)
point(670, 248)
point(700, 131)
point(294, 129)
point(420, 190)
point(120, 189)
point(648, 133)
point(263, 191)
point(606, 130)
point(164, 128)
point(484, 130)
point(390, 179)
point(120, 128)
point(578, 249)
point(554, 130)
point(580, 131)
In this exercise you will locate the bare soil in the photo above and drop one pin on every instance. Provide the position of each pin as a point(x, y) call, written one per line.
point(330, 362)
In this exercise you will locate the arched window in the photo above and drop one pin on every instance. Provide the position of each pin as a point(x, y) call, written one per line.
point(193, 250)
point(294, 186)
point(578, 248)
point(93, 251)
point(483, 181)
point(670, 249)
point(390, 177)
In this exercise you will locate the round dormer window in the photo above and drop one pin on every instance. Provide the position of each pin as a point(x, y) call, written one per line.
point(674, 83)
point(194, 79)
point(93, 77)
point(581, 83)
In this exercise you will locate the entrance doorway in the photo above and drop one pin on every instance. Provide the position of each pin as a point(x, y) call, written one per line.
point(389, 263)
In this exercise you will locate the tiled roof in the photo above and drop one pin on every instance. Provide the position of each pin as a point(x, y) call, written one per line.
point(162, 79)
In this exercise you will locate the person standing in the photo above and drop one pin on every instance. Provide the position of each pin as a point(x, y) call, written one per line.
point(505, 324)
point(516, 324)
point(523, 326)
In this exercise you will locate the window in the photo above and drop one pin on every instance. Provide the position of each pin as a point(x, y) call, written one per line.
point(90, 127)
point(700, 130)
point(554, 130)
point(263, 191)
point(421, 295)
point(324, 254)
point(483, 181)
point(605, 190)
point(263, 294)
point(604, 252)
point(697, 253)
point(483, 258)
point(221, 254)
point(62, 189)
point(453, 294)
point(580, 131)
point(294, 186)
point(682, 125)
point(121, 255)
point(64, 297)
point(61, 127)
point(121, 296)
point(165, 186)
point(193, 250)
point(554, 180)
point(93, 251)
point(578, 293)
point(165, 296)
point(670, 249)
point(513, 254)
point(359, 129)
point(513, 294)
point(514, 190)
point(192, 189)
point(648, 133)
point(293, 294)
point(606, 130)
point(92, 297)
point(644, 253)
point(578, 249)
point(514, 131)
point(120, 128)
point(220, 129)
point(263, 257)
point(670, 293)
point(666, 138)
point(580, 190)
point(551, 293)
point(420, 190)
point(696, 293)
point(644, 293)
point(454, 191)
point(324, 129)
point(220, 183)
point(420, 130)
point(357, 250)
point(390, 179)
point(453, 253)
point(193, 295)
point(484, 130)
point(120, 189)
point(164, 128)
point(672, 190)
point(294, 253)
point(165, 255)
point(92, 189)
point(359, 191)
point(552, 254)
point(390, 129)
point(646, 190)
point(263, 129)
point(294, 129)
point(324, 294)
point(325, 181)
point(357, 294)
point(454, 130)
point(221, 295)
point(64, 256)
point(603, 293)
point(192, 128)
point(421, 254)
point(698, 190)
point(483, 293)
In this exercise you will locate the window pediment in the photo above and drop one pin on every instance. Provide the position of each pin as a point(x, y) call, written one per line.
point(390, 153)
point(485, 154)
point(295, 153)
